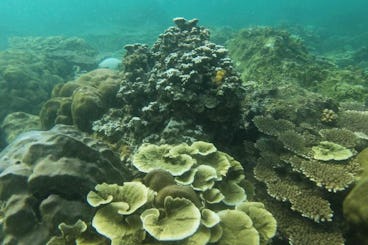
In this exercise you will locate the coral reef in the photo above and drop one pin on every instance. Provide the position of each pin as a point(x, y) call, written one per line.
point(82, 100)
point(44, 178)
point(304, 157)
point(183, 78)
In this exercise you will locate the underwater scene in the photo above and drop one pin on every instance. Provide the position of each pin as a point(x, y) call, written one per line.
point(147, 122)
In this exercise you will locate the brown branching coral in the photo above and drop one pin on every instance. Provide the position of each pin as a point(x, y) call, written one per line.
point(332, 176)
point(340, 136)
point(355, 121)
point(302, 196)
point(270, 126)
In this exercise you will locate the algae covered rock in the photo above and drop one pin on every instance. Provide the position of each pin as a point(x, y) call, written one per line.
point(26, 82)
point(354, 205)
point(355, 209)
point(86, 106)
point(33, 65)
point(64, 54)
point(266, 54)
point(51, 172)
point(18, 122)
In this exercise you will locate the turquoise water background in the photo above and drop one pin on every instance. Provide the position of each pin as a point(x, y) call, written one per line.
point(71, 17)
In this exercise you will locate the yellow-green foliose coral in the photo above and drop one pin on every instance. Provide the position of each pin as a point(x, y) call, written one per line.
point(129, 197)
point(327, 150)
point(150, 157)
point(237, 228)
point(179, 219)
point(195, 207)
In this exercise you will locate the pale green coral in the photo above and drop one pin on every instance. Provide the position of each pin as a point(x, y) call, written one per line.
point(180, 219)
point(127, 198)
point(217, 160)
point(263, 221)
point(117, 227)
point(233, 193)
point(69, 233)
point(213, 195)
point(201, 237)
point(327, 151)
point(204, 178)
point(204, 148)
point(237, 228)
point(209, 218)
point(150, 157)
point(177, 191)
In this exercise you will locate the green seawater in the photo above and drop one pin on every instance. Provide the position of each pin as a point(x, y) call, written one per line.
point(73, 17)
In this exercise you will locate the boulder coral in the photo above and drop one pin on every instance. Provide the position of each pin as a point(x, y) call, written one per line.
point(44, 178)
point(81, 101)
